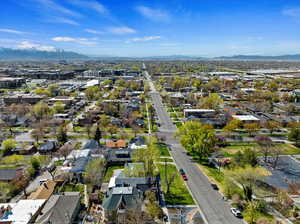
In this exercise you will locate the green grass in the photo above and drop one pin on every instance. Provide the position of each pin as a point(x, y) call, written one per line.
point(240, 146)
point(109, 172)
point(179, 194)
point(73, 187)
point(163, 149)
point(165, 159)
point(178, 124)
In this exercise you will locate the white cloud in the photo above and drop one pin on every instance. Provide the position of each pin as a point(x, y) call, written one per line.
point(64, 39)
point(49, 4)
point(156, 15)
point(121, 30)
point(294, 12)
point(64, 20)
point(143, 39)
point(91, 4)
point(80, 40)
point(29, 45)
point(11, 31)
point(93, 31)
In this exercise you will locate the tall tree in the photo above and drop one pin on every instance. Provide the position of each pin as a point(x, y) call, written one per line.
point(197, 139)
point(94, 171)
point(265, 145)
point(98, 134)
point(61, 134)
point(148, 156)
point(8, 145)
point(294, 135)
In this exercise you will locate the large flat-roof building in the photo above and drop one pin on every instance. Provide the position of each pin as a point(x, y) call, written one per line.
point(11, 83)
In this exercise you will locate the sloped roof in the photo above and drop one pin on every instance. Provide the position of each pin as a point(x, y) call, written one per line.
point(44, 191)
point(91, 144)
point(130, 198)
point(8, 174)
point(80, 165)
point(118, 144)
point(59, 209)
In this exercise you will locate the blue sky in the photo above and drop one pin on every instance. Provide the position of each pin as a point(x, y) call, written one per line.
point(153, 27)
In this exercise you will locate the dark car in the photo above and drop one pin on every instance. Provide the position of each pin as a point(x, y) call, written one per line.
point(215, 187)
point(181, 171)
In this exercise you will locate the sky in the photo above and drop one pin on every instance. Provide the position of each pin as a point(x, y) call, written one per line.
point(206, 28)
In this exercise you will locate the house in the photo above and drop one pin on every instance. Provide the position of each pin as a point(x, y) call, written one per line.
point(126, 191)
point(177, 98)
point(66, 100)
point(116, 144)
point(27, 150)
point(22, 212)
point(91, 144)
point(118, 200)
point(44, 191)
point(246, 118)
point(62, 209)
point(138, 143)
point(48, 147)
point(10, 82)
point(78, 168)
point(10, 175)
point(199, 113)
point(118, 156)
point(22, 98)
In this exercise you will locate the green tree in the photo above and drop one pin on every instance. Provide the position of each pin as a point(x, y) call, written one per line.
point(152, 207)
point(231, 126)
point(53, 90)
point(8, 145)
point(272, 126)
point(294, 135)
point(98, 134)
point(92, 92)
point(197, 139)
point(61, 135)
point(94, 171)
point(41, 111)
point(35, 166)
point(247, 157)
point(59, 107)
point(251, 128)
point(148, 156)
point(213, 101)
point(5, 190)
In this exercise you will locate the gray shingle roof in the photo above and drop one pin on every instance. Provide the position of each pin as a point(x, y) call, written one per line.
point(8, 174)
point(59, 209)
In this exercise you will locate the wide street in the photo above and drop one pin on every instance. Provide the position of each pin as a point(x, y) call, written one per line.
point(215, 210)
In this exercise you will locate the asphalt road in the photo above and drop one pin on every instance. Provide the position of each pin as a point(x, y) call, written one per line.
point(215, 210)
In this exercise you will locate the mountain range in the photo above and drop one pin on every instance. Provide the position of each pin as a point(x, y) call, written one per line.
point(35, 54)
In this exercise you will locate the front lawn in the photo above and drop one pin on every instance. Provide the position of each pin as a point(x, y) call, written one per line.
point(179, 194)
point(109, 172)
point(73, 187)
point(233, 148)
point(163, 149)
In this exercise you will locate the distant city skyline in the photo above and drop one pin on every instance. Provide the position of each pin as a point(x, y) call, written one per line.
point(153, 28)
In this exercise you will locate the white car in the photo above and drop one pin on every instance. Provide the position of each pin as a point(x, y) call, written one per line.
point(236, 212)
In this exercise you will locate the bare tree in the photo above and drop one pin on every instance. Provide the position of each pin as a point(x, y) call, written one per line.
point(169, 177)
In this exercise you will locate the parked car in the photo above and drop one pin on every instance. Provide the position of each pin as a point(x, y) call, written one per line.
point(215, 187)
point(236, 212)
point(184, 176)
point(181, 171)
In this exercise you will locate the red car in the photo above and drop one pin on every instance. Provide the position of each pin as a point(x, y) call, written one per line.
point(184, 176)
